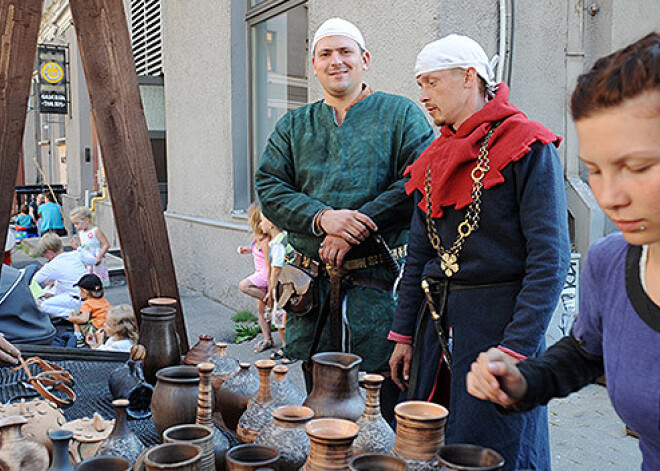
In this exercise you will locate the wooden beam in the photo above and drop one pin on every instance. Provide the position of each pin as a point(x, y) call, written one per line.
point(19, 29)
point(107, 58)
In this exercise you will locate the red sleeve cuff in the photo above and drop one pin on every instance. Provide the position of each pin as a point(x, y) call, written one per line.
point(398, 338)
point(512, 353)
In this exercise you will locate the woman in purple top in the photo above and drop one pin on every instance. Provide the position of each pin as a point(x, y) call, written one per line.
point(616, 107)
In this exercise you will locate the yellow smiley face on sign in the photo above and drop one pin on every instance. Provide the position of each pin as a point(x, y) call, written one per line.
point(52, 72)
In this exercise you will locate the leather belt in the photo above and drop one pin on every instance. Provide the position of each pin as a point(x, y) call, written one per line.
point(375, 260)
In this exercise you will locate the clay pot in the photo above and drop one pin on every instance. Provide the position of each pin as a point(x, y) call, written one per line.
point(461, 457)
point(286, 434)
point(336, 391)
point(330, 441)
point(284, 392)
point(251, 457)
point(225, 366)
point(122, 441)
point(232, 397)
point(377, 462)
point(60, 440)
point(202, 351)
point(259, 412)
point(420, 432)
point(159, 337)
point(220, 444)
point(104, 463)
point(88, 435)
point(173, 456)
point(17, 453)
point(127, 382)
point(174, 401)
point(196, 434)
point(376, 435)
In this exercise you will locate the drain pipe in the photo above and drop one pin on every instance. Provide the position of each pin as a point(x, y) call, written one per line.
point(104, 192)
point(502, 45)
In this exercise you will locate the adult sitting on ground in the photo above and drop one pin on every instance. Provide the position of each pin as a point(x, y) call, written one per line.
point(62, 271)
point(51, 216)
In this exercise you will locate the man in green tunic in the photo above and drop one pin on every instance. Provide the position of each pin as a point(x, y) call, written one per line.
point(331, 175)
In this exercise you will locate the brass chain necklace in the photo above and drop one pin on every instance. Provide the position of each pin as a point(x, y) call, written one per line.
point(449, 257)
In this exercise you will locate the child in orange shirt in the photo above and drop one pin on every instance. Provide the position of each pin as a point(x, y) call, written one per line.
point(93, 311)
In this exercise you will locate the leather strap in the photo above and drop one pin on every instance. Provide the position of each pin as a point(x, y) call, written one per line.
point(52, 377)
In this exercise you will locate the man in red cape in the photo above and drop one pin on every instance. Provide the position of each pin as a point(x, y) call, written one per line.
point(489, 236)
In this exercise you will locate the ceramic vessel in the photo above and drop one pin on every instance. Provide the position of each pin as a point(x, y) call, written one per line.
point(196, 434)
point(158, 335)
point(17, 453)
point(336, 391)
point(60, 441)
point(232, 397)
point(104, 463)
point(460, 457)
point(42, 417)
point(420, 432)
point(286, 434)
point(127, 382)
point(377, 462)
point(122, 441)
point(284, 392)
point(88, 435)
point(174, 400)
point(252, 457)
point(259, 412)
point(376, 435)
point(162, 302)
point(202, 351)
point(220, 444)
point(225, 366)
point(173, 456)
point(330, 444)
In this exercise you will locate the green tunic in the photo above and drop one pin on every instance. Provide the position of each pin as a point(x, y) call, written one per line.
point(310, 162)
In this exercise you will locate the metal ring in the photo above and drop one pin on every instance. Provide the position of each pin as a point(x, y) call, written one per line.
point(464, 229)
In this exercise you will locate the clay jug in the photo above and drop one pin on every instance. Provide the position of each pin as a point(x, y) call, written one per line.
point(104, 463)
point(202, 351)
point(286, 434)
point(330, 444)
point(17, 453)
point(284, 392)
point(127, 382)
point(225, 366)
point(196, 434)
point(122, 441)
point(336, 391)
point(158, 335)
point(173, 456)
point(174, 400)
point(232, 397)
point(461, 457)
point(60, 441)
point(252, 457)
point(219, 442)
point(376, 435)
point(259, 411)
point(377, 462)
point(42, 417)
point(420, 432)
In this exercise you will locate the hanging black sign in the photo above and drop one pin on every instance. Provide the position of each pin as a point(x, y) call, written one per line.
point(51, 63)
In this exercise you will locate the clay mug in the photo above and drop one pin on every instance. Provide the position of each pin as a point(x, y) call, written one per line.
point(174, 400)
point(251, 457)
point(200, 435)
point(463, 457)
point(104, 463)
point(173, 457)
point(377, 462)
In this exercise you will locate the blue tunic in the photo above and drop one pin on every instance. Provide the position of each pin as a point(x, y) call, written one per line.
point(523, 237)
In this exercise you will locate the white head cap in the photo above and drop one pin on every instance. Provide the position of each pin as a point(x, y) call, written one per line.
point(456, 51)
point(338, 27)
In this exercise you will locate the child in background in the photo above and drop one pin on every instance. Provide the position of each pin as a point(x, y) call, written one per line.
point(93, 311)
point(25, 222)
point(91, 239)
point(256, 285)
point(279, 251)
point(120, 329)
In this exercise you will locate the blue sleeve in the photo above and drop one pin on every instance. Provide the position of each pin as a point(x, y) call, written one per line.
point(544, 224)
point(588, 329)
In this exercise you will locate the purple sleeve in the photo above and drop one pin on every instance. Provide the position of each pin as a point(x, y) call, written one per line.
point(587, 329)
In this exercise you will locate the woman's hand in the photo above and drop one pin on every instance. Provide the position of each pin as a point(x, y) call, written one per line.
point(99, 258)
point(495, 377)
point(73, 242)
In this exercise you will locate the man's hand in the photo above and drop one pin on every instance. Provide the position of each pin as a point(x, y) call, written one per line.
point(495, 377)
point(333, 250)
point(8, 353)
point(401, 357)
point(352, 226)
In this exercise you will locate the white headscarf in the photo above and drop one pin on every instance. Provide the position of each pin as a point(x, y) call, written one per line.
point(338, 27)
point(456, 51)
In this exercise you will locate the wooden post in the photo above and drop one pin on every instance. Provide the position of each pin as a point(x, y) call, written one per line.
point(19, 29)
point(107, 59)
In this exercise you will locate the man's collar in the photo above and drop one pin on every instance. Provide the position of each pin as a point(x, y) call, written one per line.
point(366, 91)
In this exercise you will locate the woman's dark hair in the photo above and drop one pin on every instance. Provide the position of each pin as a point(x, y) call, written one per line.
point(622, 75)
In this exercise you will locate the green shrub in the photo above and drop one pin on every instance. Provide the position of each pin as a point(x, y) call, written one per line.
point(244, 316)
point(246, 331)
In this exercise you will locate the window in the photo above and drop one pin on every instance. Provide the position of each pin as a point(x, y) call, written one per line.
point(277, 68)
point(146, 36)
